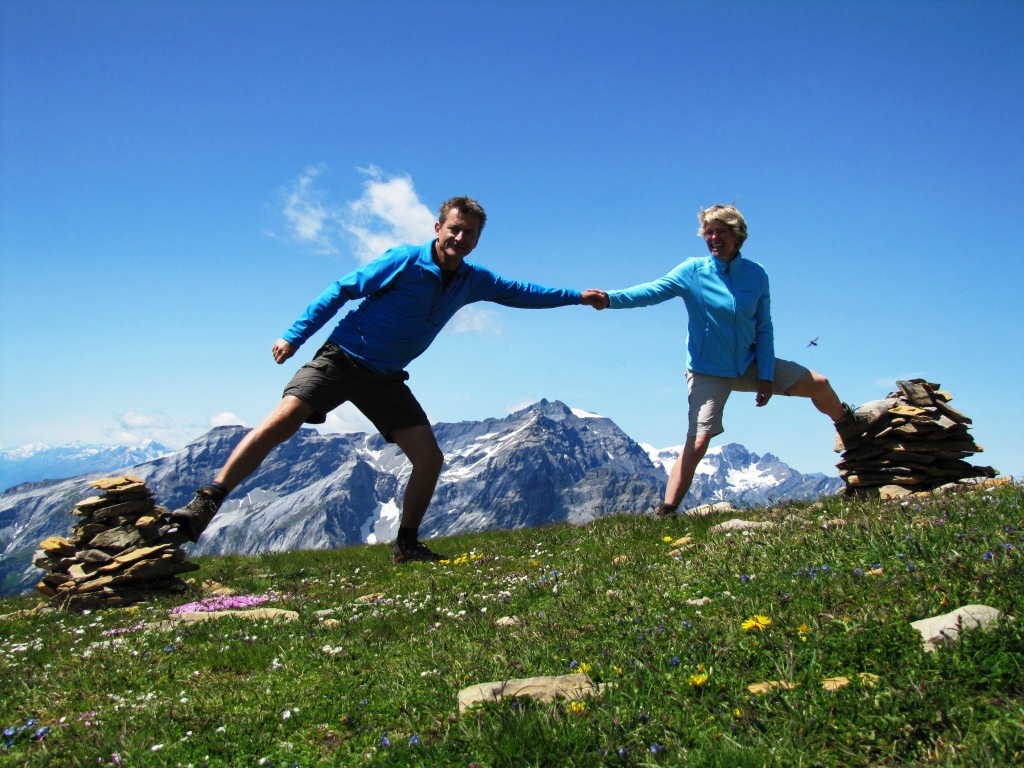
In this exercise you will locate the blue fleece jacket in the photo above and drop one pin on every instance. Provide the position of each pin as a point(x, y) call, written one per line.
point(405, 305)
point(729, 312)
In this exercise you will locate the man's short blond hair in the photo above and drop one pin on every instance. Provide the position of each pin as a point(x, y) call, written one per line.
point(725, 214)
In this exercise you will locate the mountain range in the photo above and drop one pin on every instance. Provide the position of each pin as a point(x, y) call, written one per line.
point(43, 462)
point(544, 464)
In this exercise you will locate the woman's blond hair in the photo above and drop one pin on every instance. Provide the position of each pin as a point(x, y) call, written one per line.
point(728, 215)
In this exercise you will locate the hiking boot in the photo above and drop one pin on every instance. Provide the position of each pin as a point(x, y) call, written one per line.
point(412, 551)
point(852, 426)
point(666, 510)
point(196, 515)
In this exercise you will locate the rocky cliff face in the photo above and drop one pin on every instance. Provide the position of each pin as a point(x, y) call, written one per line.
point(546, 463)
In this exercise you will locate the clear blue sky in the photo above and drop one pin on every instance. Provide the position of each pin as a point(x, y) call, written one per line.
point(179, 179)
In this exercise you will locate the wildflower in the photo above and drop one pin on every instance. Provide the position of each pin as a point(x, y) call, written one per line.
point(667, 539)
point(696, 681)
point(758, 622)
point(858, 571)
point(688, 624)
point(156, 747)
point(675, 661)
point(385, 741)
point(657, 749)
point(577, 707)
point(988, 556)
point(414, 740)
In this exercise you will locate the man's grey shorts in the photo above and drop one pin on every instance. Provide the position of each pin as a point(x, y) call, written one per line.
point(332, 378)
point(708, 394)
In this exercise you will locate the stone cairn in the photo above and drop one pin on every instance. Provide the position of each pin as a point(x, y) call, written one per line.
point(915, 442)
point(122, 552)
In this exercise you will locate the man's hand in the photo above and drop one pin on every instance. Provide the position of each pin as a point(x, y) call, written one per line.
point(282, 350)
point(592, 297)
point(764, 392)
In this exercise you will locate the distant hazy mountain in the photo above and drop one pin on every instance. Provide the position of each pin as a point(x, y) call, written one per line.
point(43, 462)
point(543, 464)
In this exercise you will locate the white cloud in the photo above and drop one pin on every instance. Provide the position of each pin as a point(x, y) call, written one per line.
point(309, 218)
point(474, 319)
point(347, 419)
point(226, 419)
point(388, 214)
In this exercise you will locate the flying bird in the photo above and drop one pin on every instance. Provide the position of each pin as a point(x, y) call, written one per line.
point(813, 342)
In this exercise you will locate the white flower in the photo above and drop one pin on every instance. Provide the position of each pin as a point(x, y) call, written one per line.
point(156, 747)
point(286, 715)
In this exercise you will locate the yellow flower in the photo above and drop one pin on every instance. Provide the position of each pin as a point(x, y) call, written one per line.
point(803, 629)
point(584, 667)
point(667, 539)
point(617, 670)
point(698, 680)
point(577, 707)
point(759, 622)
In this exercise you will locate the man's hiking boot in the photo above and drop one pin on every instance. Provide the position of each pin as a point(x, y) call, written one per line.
point(852, 426)
point(412, 551)
point(666, 510)
point(196, 515)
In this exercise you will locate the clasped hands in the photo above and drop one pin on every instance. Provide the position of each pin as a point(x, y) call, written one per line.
point(595, 298)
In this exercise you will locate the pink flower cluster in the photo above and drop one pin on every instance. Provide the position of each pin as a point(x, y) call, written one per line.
point(226, 603)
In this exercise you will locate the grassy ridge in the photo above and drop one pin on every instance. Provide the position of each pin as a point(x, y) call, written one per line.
point(369, 673)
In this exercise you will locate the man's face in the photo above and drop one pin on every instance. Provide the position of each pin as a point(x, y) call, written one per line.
point(720, 240)
point(457, 236)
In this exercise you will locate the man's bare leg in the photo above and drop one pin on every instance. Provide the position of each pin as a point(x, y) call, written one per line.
point(420, 446)
point(283, 422)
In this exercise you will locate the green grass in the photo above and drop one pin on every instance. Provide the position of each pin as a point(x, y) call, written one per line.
point(377, 683)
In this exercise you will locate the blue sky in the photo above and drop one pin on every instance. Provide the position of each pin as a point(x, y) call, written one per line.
point(178, 180)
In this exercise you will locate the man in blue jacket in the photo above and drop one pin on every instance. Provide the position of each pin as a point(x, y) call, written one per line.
point(730, 342)
point(407, 295)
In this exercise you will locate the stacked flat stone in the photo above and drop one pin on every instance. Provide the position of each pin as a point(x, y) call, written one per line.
point(916, 442)
point(121, 552)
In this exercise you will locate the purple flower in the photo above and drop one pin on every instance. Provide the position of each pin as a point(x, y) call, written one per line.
point(687, 623)
point(858, 571)
point(657, 749)
point(675, 661)
point(415, 740)
point(385, 741)
point(988, 556)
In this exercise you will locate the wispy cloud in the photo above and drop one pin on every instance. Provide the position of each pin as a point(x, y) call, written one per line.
point(388, 213)
point(475, 318)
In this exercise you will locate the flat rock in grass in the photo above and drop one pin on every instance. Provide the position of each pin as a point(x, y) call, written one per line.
point(544, 689)
point(710, 509)
point(507, 621)
point(835, 683)
point(894, 492)
point(757, 688)
point(740, 525)
point(938, 630)
point(254, 614)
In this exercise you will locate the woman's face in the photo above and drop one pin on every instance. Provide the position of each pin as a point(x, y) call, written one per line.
point(720, 240)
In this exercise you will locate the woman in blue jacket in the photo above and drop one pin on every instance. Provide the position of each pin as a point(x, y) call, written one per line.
point(730, 344)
